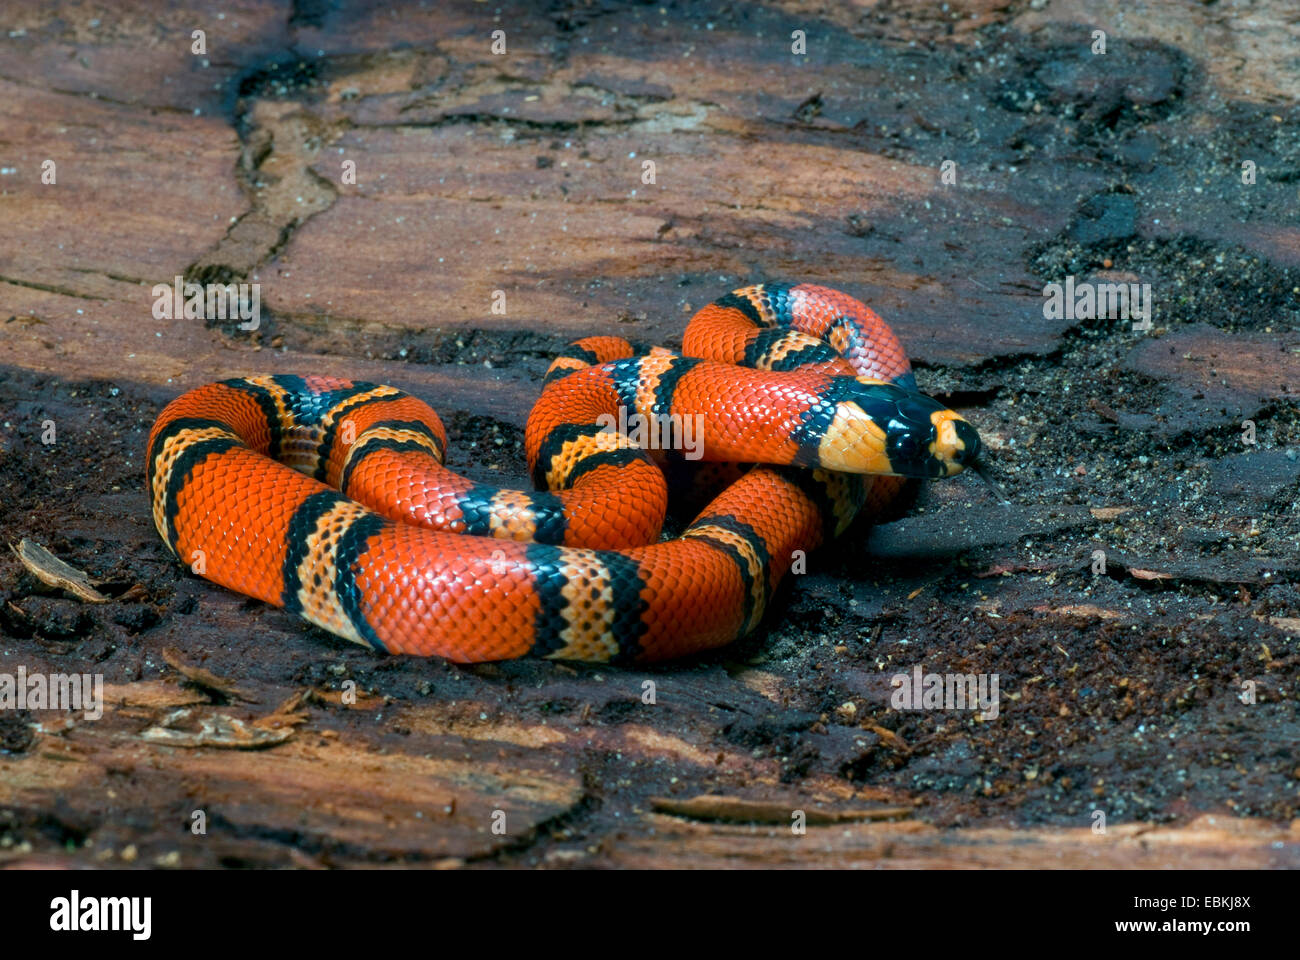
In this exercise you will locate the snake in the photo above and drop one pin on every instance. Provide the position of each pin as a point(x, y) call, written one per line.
point(330, 498)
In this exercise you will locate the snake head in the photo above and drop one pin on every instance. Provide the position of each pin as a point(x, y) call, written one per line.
point(880, 428)
point(939, 446)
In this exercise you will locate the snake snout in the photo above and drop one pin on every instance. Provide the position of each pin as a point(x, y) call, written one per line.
point(956, 444)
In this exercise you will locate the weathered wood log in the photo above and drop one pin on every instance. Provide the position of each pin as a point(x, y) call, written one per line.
point(420, 210)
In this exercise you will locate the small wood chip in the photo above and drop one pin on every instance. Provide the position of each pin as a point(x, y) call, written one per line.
point(50, 570)
point(1109, 513)
point(150, 695)
point(888, 737)
point(1103, 411)
point(183, 729)
point(1149, 574)
point(1082, 610)
point(204, 679)
point(287, 714)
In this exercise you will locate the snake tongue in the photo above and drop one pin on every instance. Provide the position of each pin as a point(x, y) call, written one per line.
point(982, 471)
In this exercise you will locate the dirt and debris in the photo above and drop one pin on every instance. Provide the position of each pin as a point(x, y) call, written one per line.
point(1138, 601)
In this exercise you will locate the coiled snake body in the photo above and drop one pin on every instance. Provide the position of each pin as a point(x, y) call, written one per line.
point(329, 497)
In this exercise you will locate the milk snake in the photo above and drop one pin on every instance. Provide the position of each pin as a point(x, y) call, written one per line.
point(260, 482)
